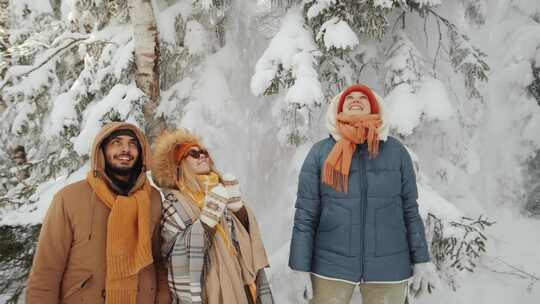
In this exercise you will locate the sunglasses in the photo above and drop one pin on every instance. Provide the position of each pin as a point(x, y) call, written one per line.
point(197, 153)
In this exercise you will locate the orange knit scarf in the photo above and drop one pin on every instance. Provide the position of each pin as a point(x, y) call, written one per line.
point(129, 247)
point(209, 181)
point(354, 129)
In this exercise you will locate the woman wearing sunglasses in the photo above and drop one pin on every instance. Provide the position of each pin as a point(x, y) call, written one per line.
point(211, 239)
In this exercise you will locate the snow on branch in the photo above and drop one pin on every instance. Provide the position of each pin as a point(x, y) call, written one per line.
point(500, 266)
point(289, 63)
point(319, 6)
point(465, 57)
point(457, 245)
point(336, 33)
point(21, 71)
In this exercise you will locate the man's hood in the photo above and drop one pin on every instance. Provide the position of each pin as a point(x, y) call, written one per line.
point(331, 116)
point(97, 157)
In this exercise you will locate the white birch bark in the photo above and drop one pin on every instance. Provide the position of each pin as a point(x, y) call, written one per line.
point(147, 55)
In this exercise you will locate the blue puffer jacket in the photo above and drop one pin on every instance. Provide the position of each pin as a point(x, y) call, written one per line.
point(374, 232)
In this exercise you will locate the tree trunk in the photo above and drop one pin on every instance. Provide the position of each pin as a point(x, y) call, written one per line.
point(147, 61)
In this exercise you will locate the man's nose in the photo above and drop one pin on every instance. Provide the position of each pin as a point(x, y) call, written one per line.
point(124, 147)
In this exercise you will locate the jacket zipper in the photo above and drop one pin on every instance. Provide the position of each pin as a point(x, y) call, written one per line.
point(364, 209)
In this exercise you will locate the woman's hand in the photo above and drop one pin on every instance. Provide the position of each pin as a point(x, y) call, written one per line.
point(215, 203)
point(303, 289)
point(234, 203)
point(424, 278)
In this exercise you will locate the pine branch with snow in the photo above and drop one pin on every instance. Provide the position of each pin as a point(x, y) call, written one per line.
point(404, 64)
point(456, 246)
point(468, 60)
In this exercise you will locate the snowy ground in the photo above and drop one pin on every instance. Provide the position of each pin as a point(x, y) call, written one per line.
point(514, 244)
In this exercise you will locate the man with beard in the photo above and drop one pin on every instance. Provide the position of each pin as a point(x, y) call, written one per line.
point(100, 239)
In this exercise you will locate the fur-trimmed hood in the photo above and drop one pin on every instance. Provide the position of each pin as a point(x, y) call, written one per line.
point(331, 115)
point(163, 156)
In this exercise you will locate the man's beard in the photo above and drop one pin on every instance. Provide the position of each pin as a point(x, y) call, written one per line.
point(130, 174)
point(121, 171)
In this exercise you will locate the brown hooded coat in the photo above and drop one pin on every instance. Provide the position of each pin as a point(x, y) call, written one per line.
point(70, 261)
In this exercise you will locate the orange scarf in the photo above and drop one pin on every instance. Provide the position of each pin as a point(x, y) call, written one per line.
point(209, 181)
point(129, 247)
point(354, 130)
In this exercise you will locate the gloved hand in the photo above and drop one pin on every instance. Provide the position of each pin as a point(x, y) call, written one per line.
point(303, 292)
point(424, 278)
point(214, 205)
point(235, 202)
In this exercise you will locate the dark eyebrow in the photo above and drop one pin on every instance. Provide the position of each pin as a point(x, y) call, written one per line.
point(131, 139)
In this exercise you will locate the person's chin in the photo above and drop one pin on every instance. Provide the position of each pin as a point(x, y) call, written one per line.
point(203, 171)
point(123, 167)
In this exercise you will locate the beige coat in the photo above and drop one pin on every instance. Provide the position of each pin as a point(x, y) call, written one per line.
point(70, 261)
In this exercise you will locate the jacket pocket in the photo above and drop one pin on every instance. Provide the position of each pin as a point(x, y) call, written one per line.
point(147, 284)
point(390, 230)
point(334, 229)
point(74, 285)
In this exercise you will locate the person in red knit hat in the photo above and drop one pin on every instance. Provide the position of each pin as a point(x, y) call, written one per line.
point(357, 221)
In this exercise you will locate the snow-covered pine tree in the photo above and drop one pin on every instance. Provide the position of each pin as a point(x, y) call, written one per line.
point(57, 77)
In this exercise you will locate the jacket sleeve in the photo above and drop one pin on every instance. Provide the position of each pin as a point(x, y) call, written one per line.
point(415, 227)
point(50, 259)
point(306, 218)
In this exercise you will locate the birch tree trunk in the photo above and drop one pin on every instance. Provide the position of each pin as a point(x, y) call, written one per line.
point(147, 61)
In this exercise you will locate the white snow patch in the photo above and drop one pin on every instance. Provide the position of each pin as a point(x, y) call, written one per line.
point(383, 3)
point(196, 39)
point(406, 109)
point(338, 34)
point(23, 110)
point(34, 213)
point(167, 18)
point(62, 114)
point(292, 48)
point(319, 6)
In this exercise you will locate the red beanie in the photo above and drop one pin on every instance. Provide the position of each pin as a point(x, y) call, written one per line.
point(363, 89)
